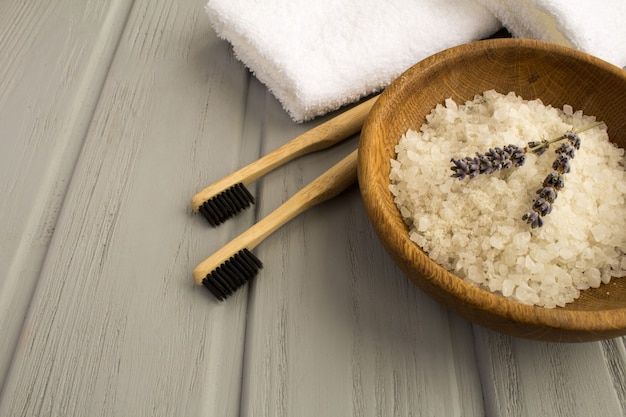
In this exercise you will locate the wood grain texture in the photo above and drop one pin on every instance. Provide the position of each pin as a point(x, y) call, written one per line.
point(335, 328)
point(615, 358)
point(54, 58)
point(116, 326)
point(528, 378)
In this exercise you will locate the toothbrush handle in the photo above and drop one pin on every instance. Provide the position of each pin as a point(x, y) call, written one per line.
point(323, 136)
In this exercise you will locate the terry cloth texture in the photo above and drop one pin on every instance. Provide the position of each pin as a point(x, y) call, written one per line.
point(595, 27)
point(318, 55)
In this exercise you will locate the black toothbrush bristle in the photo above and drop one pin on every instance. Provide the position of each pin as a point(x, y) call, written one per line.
point(226, 204)
point(232, 274)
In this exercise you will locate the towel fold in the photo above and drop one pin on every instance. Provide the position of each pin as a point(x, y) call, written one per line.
point(317, 55)
point(595, 27)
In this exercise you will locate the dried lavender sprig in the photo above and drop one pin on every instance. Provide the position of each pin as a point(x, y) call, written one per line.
point(539, 147)
point(542, 203)
point(511, 155)
point(493, 160)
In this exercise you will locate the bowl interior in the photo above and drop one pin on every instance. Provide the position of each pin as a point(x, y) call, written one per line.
point(532, 69)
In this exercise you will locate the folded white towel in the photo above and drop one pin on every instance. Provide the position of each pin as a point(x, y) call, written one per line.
point(592, 26)
point(317, 55)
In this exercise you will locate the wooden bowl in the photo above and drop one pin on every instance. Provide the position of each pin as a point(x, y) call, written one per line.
point(532, 69)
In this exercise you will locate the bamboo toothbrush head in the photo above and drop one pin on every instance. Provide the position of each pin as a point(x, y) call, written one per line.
point(224, 205)
point(231, 274)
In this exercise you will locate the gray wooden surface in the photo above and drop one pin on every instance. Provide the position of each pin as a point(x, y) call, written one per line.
point(112, 115)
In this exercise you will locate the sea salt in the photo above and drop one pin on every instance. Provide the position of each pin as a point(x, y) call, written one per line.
point(474, 228)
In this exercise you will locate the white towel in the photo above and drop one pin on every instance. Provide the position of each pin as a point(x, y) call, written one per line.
point(597, 27)
point(317, 55)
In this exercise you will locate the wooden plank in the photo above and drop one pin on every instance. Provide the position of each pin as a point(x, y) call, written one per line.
point(335, 328)
point(528, 378)
point(615, 357)
point(54, 56)
point(117, 326)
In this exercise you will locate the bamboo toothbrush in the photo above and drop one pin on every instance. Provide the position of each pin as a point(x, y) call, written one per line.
point(234, 264)
point(228, 196)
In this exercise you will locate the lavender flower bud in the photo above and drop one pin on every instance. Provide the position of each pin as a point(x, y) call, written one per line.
point(542, 206)
point(499, 159)
point(573, 139)
point(460, 168)
point(561, 164)
point(516, 155)
point(547, 193)
point(474, 164)
point(467, 166)
point(533, 218)
point(485, 167)
point(554, 180)
point(566, 149)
